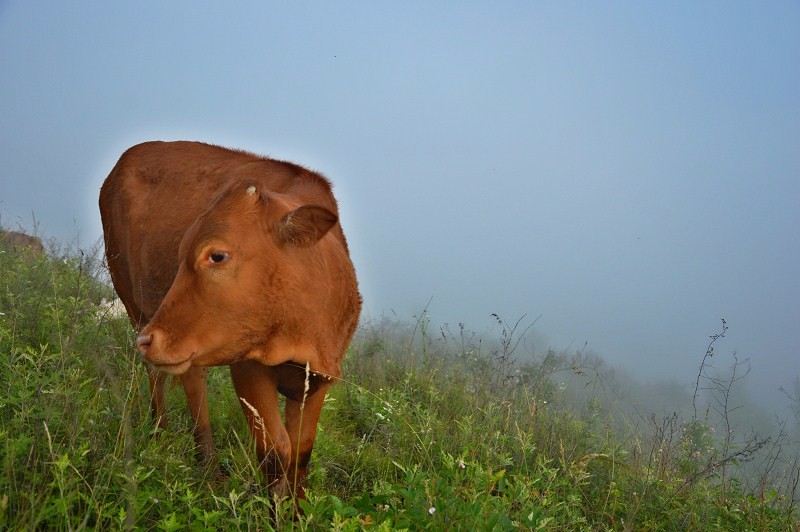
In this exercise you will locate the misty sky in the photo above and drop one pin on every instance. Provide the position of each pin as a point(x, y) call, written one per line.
point(631, 172)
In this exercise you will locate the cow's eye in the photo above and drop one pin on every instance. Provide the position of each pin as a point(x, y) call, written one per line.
point(218, 257)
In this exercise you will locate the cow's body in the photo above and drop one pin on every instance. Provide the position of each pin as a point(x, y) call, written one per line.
point(225, 258)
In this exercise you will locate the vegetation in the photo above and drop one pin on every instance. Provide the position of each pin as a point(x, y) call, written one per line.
point(426, 433)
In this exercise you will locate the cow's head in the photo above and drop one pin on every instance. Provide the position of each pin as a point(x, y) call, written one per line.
point(238, 271)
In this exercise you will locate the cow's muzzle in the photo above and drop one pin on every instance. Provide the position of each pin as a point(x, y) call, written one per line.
point(143, 342)
point(151, 344)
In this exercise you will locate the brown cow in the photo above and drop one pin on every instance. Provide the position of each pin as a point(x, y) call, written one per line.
point(222, 257)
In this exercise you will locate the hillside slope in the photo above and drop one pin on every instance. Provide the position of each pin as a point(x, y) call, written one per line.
point(414, 438)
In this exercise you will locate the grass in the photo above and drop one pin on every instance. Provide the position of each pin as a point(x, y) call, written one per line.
point(419, 436)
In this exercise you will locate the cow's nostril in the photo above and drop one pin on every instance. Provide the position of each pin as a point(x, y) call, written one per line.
point(143, 341)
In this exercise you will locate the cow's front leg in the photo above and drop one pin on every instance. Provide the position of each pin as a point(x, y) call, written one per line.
point(302, 416)
point(157, 406)
point(194, 384)
point(257, 390)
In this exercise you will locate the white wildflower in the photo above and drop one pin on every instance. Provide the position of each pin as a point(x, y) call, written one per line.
point(432, 510)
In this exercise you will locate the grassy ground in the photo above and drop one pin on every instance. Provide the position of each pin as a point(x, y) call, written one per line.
point(415, 438)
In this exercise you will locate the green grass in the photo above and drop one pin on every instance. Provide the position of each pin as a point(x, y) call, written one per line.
point(417, 437)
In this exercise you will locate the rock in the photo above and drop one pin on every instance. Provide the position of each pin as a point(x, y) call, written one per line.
point(17, 241)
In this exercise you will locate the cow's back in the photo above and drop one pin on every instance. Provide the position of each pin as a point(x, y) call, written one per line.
point(154, 193)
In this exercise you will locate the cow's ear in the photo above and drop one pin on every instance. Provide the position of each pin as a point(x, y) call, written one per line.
point(305, 225)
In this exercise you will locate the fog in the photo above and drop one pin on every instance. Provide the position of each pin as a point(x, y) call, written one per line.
point(629, 173)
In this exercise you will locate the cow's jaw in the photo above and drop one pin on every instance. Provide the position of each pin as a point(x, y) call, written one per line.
point(175, 369)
